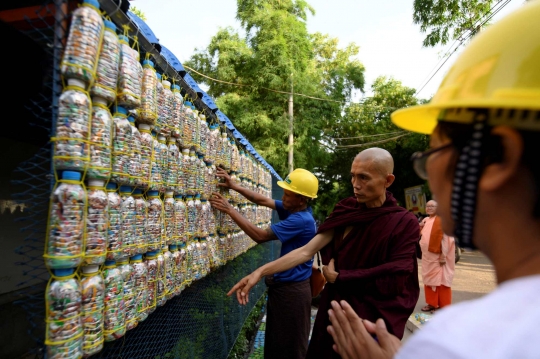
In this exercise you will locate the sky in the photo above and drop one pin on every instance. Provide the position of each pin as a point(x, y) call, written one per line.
point(390, 44)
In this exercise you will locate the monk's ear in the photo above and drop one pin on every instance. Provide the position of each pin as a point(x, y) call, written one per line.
point(390, 178)
point(502, 171)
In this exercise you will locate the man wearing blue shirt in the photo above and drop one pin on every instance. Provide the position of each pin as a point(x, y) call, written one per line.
point(289, 292)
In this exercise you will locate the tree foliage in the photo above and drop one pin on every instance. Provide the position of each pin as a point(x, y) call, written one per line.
point(447, 20)
point(278, 53)
point(369, 125)
point(138, 12)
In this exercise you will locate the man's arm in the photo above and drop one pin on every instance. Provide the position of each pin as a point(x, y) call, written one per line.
point(252, 196)
point(257, 234)
point(288, 261)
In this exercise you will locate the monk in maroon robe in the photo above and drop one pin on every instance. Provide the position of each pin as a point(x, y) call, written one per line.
point(368, 246)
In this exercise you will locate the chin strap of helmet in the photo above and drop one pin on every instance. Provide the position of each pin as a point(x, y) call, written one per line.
point(468, 170)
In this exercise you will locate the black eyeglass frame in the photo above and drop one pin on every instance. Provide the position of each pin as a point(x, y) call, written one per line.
point(419, 160)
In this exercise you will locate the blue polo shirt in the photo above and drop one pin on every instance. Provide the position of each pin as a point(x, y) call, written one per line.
point(294, 231)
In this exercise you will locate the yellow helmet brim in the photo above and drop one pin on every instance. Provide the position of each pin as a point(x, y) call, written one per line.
point(286, 186)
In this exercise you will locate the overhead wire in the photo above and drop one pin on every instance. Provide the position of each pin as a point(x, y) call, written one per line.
point(373, 142)
point(367, 136)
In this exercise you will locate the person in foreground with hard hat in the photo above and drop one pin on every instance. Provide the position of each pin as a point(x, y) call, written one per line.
point(289, 291)
point(484, 172)
point(368, 244)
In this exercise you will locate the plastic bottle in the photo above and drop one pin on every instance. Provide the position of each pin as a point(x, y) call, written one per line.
point(191, 175)
point(192, 262)
point(127, 212)
point(183, 266)
point(73, 128)
point(140, 288)
point(173, 161)
point(100, 165)
point(204, 216)
point(66, 223)
point(114, 244)
point(122, 144)
point(140, 235)
point(161, 293)
point(161, 120)
point(107, 66)
point(83, 43)
point(188, 127)
point(97, 222)
point(191, 217)
point(177, 112)
point(164, 161)
point(170, 266)
point(131, 315)
point(156, 179)
point(205, 263)
point(129, 76)
point(147, 146)
point(201, 167)
point(177, 270)
point(168, 113)
point(64, 332)
point(149, 100)
point(136, 177)
point(169, 218)
point(155, 221)
point(180, 219)
point(213, 144)
point(93, 293)
point(183, 173)
point(196, 131)
point(114, 311)
point(203, 134)
point(152, 267)
point(198, 216)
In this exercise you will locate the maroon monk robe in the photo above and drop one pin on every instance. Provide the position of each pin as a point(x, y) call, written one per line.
point(376, 261)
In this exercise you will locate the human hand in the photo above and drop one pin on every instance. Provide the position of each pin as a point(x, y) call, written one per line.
point(354, 337)
point(229, 182)
point(329, 272)
point(243, 287)
point(442, 261)
point(220, 203)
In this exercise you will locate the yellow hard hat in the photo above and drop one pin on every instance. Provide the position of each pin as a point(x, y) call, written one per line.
point(499, 69)
point(301, 181)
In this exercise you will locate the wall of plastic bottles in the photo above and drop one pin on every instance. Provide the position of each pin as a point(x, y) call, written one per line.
point(129, 224)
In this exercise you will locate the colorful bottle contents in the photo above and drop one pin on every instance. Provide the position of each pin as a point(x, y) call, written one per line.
point(169, 218)
point(147, 146)
point(164, 161)
point(156, 179)
point(131, 314)
point(204, 134)
point(204, 218)
point(127, 212)
point(129, 76)
point(139, 277)
point(161, 291)
point(196, 131)
point(183, 172)
point(204, 261)
point(176, 271)
point(177, 113)
point(149, 99)
point(140, 234)
point(152, 279)
point(83, 44)
point(201, 168)
point(114, 240)
point(180, 220)
point(101, 136)
point(161, 120)
point(122, 145)
point(167, 98)
point(188, 127)
point(107, 66)
point(191, 263)
point(64, 247)
point(192, 217)
point(170, 267)
point(114, 310)
point(97, 221)
point(173, 161)
point(93, 293)
point(64, 329)
point(136, 177)
point(154, 221)
point(191, 174)
point(183, 277)
point(72, 139)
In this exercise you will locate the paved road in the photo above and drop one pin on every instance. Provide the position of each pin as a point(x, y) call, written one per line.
point(474, 277)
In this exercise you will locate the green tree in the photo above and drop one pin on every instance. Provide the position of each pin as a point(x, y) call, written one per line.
point(368, 125)
point(138, 12)
point(447, 20)
point(278, 53)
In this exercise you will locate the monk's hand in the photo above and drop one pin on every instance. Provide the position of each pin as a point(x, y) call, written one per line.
point(220, 203)
point(329, 272)
point(356, 338)
point(243, 287)
point(228, 181)
point(442, 261)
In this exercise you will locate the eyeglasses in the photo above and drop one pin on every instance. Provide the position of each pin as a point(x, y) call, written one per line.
point(419, 160)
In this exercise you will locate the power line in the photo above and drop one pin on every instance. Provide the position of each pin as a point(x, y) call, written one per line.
point(366, 136)
point(374, 142)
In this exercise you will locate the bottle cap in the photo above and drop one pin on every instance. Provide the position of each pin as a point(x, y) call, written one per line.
point(172, 247)
point(137, 191)
point(176, 87)
point(151, 254)
point(136, 257)
point(148, 62)
point(71, 175)
point(92, 268)
point(153, 193)
point(161, 138)
point(144, 126)
point(198, 196)
point(110, 263)
point(187, 103)
point(111, 185)
point(122, 260)
point(123, 38)
point(131, 119)
point(125, 189)
point(158, 75)
point(96, 100)
point(169, 194)
point(178, 196)
point(166, 83)
point(76, 83)
point(109, 25)
point(64, 272)
point(182, 244)
point(96, 183)
point(120, 109)
point(94, 3)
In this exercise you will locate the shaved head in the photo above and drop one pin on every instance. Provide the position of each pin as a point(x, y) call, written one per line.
point(380, 159)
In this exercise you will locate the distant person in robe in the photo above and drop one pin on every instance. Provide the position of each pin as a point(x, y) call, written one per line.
point(438, 261)
point(368, 246)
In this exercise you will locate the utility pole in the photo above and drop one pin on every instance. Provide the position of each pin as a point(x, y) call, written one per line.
point(291, 137)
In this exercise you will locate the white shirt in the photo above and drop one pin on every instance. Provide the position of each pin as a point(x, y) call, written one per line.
point(504, 324)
